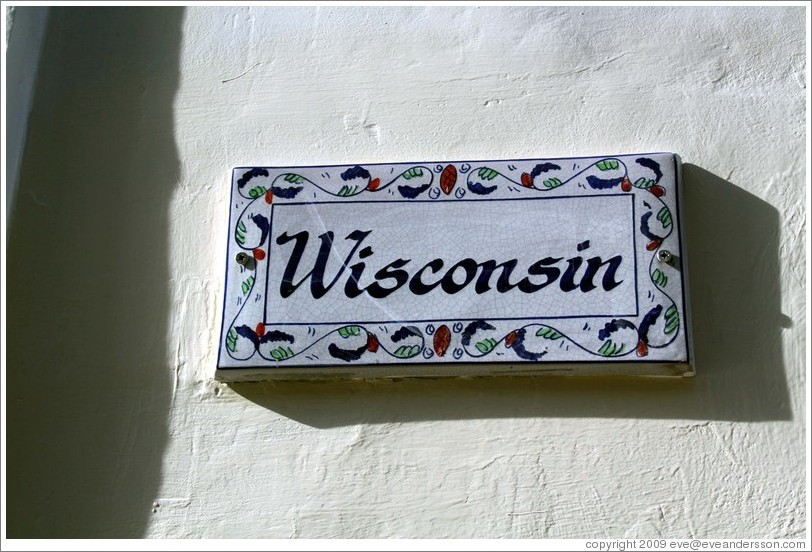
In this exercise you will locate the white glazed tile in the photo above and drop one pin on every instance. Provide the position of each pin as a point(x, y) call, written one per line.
point(456, 267)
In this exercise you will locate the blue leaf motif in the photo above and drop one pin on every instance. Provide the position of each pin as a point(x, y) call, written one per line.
point(248, 175)
point(286, 193)
point(479, 189)
point(264, 226)
point(472, 328)
point(355, 172)
point(650, 164)
point(602, 183)
point(347, 355)
point(411, 192)
point(249, 334)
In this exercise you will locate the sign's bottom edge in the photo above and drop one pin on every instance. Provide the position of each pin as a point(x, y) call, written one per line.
point(664, 369)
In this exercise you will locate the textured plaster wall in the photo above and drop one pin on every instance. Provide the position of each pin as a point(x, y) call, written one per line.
point(116, 255)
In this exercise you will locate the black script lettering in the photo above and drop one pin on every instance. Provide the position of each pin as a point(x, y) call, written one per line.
point(503, 285)
point(608, 283)
point(567, 282)
point(316, 276)
point(351, 288)
point(377, 291)
point(417, 286)
point(541, 268)
point(449, 285)
point(395, 277)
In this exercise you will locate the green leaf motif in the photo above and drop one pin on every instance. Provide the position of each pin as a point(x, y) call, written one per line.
point(293, 178)
point(406, 351)
point(610, 349)
point(231, 340)
point(671, 319)
point(347, 190)
point(487, 174)
point(643, 183)
point(548, 333)
point(281, 353)
point(413, 173)
point(486, 345)
point(348, 331)
point(246, 285)
point(659, 278)
point(239, 234)
point(552, 183)
point(607, 164)
point(664, 216)
point(257, 191)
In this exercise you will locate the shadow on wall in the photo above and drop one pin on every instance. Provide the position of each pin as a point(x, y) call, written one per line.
point(735, 285)
point(89, 386)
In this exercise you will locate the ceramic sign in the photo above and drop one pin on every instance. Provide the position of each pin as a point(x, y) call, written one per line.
point(456, 268)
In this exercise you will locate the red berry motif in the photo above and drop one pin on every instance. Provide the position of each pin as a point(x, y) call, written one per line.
point(510, 339)
point(527, 181)
point(442, 338)
point(259, 254)
point(373, 184)
point(653, 244)
point(448, 179)
point(269, 197)
point(372, 343)
point(260, 329)
point(626, 185)
point(658, 191)
point(642, 348)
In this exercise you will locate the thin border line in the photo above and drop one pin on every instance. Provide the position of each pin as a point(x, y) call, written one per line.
point(334, 202)
point(385, 199)
point(468, 319)
point(268, 265)
point(634, 248)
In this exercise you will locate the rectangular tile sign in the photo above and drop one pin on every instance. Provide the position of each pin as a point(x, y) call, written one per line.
point(456, 268)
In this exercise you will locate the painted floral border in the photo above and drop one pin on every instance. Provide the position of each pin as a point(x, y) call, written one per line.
point(478, 339)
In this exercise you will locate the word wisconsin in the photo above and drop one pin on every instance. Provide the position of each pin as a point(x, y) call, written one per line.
point(449, 276)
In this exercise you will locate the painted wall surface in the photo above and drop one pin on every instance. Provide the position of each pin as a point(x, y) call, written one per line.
point(116, 253)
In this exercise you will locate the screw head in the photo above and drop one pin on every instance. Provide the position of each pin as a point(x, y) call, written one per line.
point(242, 259)
point(664, 256)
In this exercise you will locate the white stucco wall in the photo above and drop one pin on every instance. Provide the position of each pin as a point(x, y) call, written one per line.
point(116, 253)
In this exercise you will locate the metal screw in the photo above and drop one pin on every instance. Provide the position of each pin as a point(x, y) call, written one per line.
point(665, 256)
point(243, 259)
